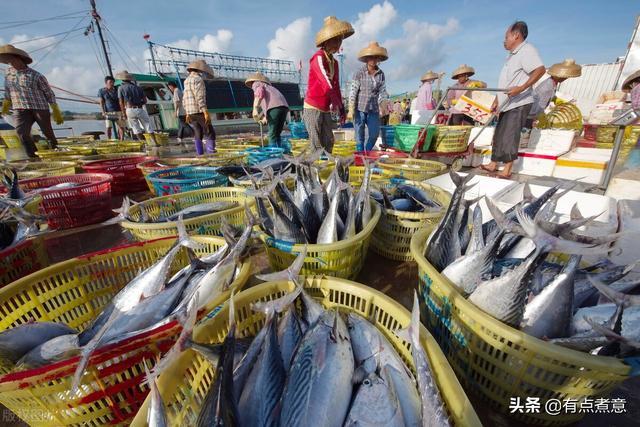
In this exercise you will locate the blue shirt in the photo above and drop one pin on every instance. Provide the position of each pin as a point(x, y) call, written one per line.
point(132, 94)
point(110, 99)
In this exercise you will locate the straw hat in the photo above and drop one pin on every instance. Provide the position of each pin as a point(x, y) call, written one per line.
point(627, 82)
point(565, 69)
point(200, 65)
point(428, 76)
point(463, 69)
point(256, 77)
point(374, 49)
point(124, 75)
point(332, 28)
point(8, 50)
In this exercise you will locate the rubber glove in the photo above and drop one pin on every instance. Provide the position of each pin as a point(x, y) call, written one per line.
point(352, 108)
point(6, 106)
point(56, 114)
point(207, 118)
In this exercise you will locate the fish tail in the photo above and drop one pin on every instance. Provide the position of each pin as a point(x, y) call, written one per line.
point(291, 273)
point(527, 195)
point(183, 237)
point(411, 333)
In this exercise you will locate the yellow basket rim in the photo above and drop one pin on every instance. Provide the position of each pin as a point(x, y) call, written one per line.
point(583, 360)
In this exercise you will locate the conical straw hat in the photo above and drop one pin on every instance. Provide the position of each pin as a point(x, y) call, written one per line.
point(374, 49)
point(565, 69)
point(428, 76)
point(124, 75)
point(256, 77)
point(463, 69)
point(332, 28)
point(7, 50)
point(200, 65)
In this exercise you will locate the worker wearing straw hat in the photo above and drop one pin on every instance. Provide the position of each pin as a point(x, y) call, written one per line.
point(195, 105)
point(132, 101)
point(545, 89)
point(424, 98)
point(272, 104)
point(30, 95)
point(462, 75)
point(323, 86)
point(368, 90)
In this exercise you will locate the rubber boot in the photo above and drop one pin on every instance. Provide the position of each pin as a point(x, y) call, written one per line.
point(199, 147)
point(211, 146)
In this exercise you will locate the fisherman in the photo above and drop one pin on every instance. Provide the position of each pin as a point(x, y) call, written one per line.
point(545, 89)
point(521, 70)
point(30, 95)
point(462, 75)
point(273, 106)
point(177, 106)
point(368, 90)
point(108, 96)
point(323, 87)
point(132, 101)
point(195, 105)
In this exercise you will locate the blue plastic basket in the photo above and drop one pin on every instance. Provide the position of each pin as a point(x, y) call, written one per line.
point(387, 134)
point(185, 178)
point(259, 154)
point(298, 131)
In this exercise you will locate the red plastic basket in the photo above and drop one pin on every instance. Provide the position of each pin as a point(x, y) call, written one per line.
point(88, 203)
point(374, 155)
point(21, 260)
point(127, 178)
point(590, 132)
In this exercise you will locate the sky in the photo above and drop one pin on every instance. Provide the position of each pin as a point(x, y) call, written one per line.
point(419, 35)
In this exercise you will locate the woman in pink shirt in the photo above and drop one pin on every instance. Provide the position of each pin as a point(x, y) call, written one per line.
point(632, 84)
point(273, 106)
point(424, 99)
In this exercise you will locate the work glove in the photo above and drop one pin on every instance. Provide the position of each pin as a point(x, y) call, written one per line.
point(56, 114)
point(6, 106)
point(350, 113)
point(207, 118)
point(263, 120)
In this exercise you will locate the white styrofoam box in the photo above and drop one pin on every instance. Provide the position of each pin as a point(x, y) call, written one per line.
point(344, 134)
point(551, 139)
point(582, 166)
point(486, 136)
point(625, 185)
point(534, 163)
point(421, 117)
point(481, 156)
point(627, 246)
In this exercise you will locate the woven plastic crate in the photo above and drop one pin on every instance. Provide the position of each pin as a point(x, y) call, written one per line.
point(342, 259)
point(40, 169)
point(24, 258)
point(127, 178)
point(185, 178)
point(87, 203)
point(158, 139)
point(74, 292)
point(387, 134)
point(356, 175)
point(498, 362)
point(411, 169)
point(256, 155)
point(298, 130)
point(344, 148)
point(10, 138)
point(184, 384)
point(606, 134)
point(206, 224)
point(406, 137)
point(223, 159)
point(392, 236)
point(451, 139)
point(150, 166)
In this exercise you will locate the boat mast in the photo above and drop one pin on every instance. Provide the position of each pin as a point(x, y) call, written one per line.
point(96, 19)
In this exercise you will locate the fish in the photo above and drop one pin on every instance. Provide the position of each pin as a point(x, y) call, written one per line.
point(289, 335)
point(16, 342)
point(11, 181)
point(203, 209)
point(420, 196)
point(54, 350)
point(433, 408)
point(157, 416)
point(328, 232)
point(477, 238)
point(375, 403)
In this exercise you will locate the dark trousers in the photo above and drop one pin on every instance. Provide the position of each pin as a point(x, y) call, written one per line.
point(182, 126)
point(506, 138)
point(201, 129)
point(275, 119)
point(24, 122)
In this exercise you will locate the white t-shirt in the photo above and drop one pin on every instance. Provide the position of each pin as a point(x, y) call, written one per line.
point(516, 71)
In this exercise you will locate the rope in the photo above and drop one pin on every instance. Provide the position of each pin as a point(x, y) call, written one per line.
point(62, 40)
point(40, 38)
point(122, 48)
point(13, 24)
point(88, 98)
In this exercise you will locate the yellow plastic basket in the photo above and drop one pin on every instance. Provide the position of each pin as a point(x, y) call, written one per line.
point(451, 139)
point(392, 236)
point(411, 169)
point(356, 175)
point(74, 292)
point(342, 259)
point(55, 154)
point(185, 383)
point(10, 138)
point(40, 169)
point(344, 148)
point(499, 362)
point(170, 162)
point(24, 258)
point(206, 225)
point(158, 139)
point(223, 158)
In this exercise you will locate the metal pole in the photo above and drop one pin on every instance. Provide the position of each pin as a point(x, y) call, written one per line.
point(617, 145)
point(96, 18)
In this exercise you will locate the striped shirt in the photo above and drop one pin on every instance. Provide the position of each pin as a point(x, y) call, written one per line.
point(194, 99)
point(368, 90)
point(28, 89)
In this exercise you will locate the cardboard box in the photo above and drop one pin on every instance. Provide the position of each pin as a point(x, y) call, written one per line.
point(542, 140)
point(475, 104)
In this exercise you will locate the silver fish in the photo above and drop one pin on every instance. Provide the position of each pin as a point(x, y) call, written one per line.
point(54, 350)
point(375, 403)
point(477, 238)
point(328, 232)
point(19, 340)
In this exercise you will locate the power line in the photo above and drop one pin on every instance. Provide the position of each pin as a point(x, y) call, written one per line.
point(40, 38)
point(13, 24)
point(121, 47)
point(55, 42)
point(62, 40)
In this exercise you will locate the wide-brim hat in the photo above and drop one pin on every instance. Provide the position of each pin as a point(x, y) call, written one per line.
point(429, 75)
point(200, 65)
point(332, 28)
point(463, 69)
point(627, 82)
point(565, 69)
point(374, 49)
point(124, 75)
point(256, 77)
point(7, 50)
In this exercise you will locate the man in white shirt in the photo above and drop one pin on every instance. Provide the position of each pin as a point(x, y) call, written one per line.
point(521, 70)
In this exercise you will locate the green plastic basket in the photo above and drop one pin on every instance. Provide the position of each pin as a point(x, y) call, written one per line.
point(406, 137)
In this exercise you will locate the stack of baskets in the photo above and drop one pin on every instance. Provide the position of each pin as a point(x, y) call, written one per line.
point(150, 166)
point(392, 236)
point(411, 169)
point(372, 156)
point(259, 154)
point(341, 259)
point(406, 137)
point(74, 292)
point(605, 136)
point(185, 178)
point(40, 169)
point(127, 178)
point(344, 148)
point(10, 138)
point(451, 139)
point(24, 258)
point(210, 224)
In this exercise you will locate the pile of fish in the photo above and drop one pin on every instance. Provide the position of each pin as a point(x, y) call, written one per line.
point(405, 198)
point(504, 267)
point(313, 367)
point(152, 298)
point(315, 212)
point(16, 224)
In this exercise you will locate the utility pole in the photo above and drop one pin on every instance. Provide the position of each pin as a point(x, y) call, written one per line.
point(96, 18)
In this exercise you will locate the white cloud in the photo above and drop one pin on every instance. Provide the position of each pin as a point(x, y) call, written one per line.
point(293, 42)
point(75, 78)
point(38, 47)
point(219, 42)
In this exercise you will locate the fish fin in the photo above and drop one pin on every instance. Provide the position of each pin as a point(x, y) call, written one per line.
point(251, 218)
point(575, 212)
point(501, 219)
point(411, 334)
point(278, 305)
point(291, 273)
point(184, 239)
point(195, 262)
point(617, 297)
point(527, 195)
point(232, 311)
point(359, 375)
point(612, 335)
